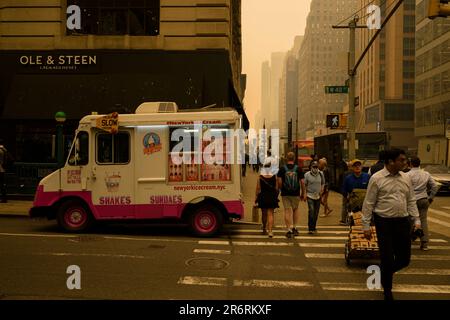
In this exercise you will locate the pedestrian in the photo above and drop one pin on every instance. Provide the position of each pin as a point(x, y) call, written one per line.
point(314, 183)
point(390, 200)
point(267, 196)
point(379, 165)
point(292, 185)
point(355, 185)
point(347, 168)
point(425, 189)
point(3, 160)
point(323, 167)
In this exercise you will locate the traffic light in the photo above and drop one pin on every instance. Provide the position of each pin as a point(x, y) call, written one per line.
point(438, 8)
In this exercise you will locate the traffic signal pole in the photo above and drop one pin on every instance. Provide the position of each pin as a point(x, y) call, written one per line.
point(351, 133)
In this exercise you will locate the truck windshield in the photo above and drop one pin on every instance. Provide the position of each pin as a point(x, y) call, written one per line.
point(79, 155)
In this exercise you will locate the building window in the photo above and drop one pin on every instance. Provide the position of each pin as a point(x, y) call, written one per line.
point(408, 91)
point(118, 17)
point(408, 69)
point(398, 112)
point(373, 114)
point(408, 47)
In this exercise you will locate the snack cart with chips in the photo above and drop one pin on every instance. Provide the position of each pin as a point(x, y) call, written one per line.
point(358, 247)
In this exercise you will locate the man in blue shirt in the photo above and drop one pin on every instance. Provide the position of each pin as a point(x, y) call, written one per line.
point(356, 180)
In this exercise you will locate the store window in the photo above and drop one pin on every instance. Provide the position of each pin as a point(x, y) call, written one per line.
point(118, 17)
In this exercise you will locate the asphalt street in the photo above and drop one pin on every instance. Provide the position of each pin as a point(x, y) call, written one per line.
point(165, 262)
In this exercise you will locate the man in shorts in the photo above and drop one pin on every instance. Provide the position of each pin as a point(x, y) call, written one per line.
point(292, 185)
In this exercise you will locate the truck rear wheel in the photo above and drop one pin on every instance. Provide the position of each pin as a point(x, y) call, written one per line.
point(205, 220)
point(73, 216)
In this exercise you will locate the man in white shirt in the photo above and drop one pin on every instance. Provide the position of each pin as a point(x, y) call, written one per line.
point(390, 199)
point(422, 183)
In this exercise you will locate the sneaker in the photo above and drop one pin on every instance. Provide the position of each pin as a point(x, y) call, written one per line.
point(264, 232)
point(289, 234)
point(270, 234)
point(424, 247)
point(310, 232)
point(295, 232)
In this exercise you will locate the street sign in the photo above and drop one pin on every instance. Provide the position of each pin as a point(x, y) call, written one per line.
point(109, 123)
point(336, 89)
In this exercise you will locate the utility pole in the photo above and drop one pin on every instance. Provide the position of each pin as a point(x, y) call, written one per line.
point(351, 129)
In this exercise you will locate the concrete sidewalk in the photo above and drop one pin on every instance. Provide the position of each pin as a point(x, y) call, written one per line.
point(21, 207)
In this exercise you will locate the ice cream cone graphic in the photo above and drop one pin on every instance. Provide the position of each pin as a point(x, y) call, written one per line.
point(112, 182)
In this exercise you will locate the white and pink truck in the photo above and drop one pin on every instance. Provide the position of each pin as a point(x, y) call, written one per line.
point(121, 167)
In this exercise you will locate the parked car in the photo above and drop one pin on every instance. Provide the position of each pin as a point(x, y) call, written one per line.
point(441, 174)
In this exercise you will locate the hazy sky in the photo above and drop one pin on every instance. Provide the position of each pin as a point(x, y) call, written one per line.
point(267, 26)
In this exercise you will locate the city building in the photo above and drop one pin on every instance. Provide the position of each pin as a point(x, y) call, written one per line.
point(288, 93)
point(276, 71)
point(125, 52)
point(432, 86)
point(265, 93)
point(385, 78)
point(322, 62)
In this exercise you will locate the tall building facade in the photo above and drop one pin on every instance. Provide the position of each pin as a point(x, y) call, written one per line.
point(276, 71)
point(288, 91)
point(265, 93)
point(432, 86)
point(126, 52)
point(322, 62)
point(386, 76)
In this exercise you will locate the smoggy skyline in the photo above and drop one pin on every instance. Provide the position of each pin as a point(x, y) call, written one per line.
point(267, 27)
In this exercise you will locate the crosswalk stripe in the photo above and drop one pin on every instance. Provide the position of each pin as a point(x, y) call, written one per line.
point(282, 267)
point(212, 251)
point(442, 223)
point(439, 213)
point(269, 244)
point(224, 243)
point(203, 281)
point(318, 227)
point(251, 236)
point(448, 208)
point(271, 283)
point(403, 288)
point(341, 256)
point(408, 271)
point(282, 231)
point(321, 245)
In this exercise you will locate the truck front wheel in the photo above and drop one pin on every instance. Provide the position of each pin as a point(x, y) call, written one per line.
point(73, 216)
point(205, 220)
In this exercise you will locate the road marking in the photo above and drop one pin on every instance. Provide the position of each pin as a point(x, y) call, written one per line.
point(439, 213)
point(426, 257)
point(212, 251)
point(404, 288)
point(232, 231)
point(318, 227)
point(103, 237)
point(250, 236)
point(324, 255)
point(269, 244)
point(281, 267)
point(321, 245)
point(442, 223)
point(38, 235)
point(101, 255)
point(203, 281)
point(271, 284)
point(224, 243)
point(408, 271)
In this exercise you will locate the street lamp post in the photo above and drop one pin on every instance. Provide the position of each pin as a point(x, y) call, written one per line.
point(60, 118)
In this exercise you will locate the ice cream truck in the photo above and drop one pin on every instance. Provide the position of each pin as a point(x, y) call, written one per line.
point(121, 167)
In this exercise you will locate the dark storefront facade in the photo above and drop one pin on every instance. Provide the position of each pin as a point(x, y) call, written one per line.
point(34, 85)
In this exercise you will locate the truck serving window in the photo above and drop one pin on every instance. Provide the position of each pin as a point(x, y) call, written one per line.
point(79, 156)
point(113, 148)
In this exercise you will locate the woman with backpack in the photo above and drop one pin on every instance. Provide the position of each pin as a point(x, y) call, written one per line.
point(267, 196)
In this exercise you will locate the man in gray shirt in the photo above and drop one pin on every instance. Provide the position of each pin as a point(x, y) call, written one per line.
point(314, 183)
point(422, 183)
point(391, 200)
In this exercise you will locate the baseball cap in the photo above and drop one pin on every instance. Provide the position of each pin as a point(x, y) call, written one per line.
point(355, 161)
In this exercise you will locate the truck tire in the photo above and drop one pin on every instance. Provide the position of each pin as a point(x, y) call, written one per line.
point(205, 220)
point(73, 216)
